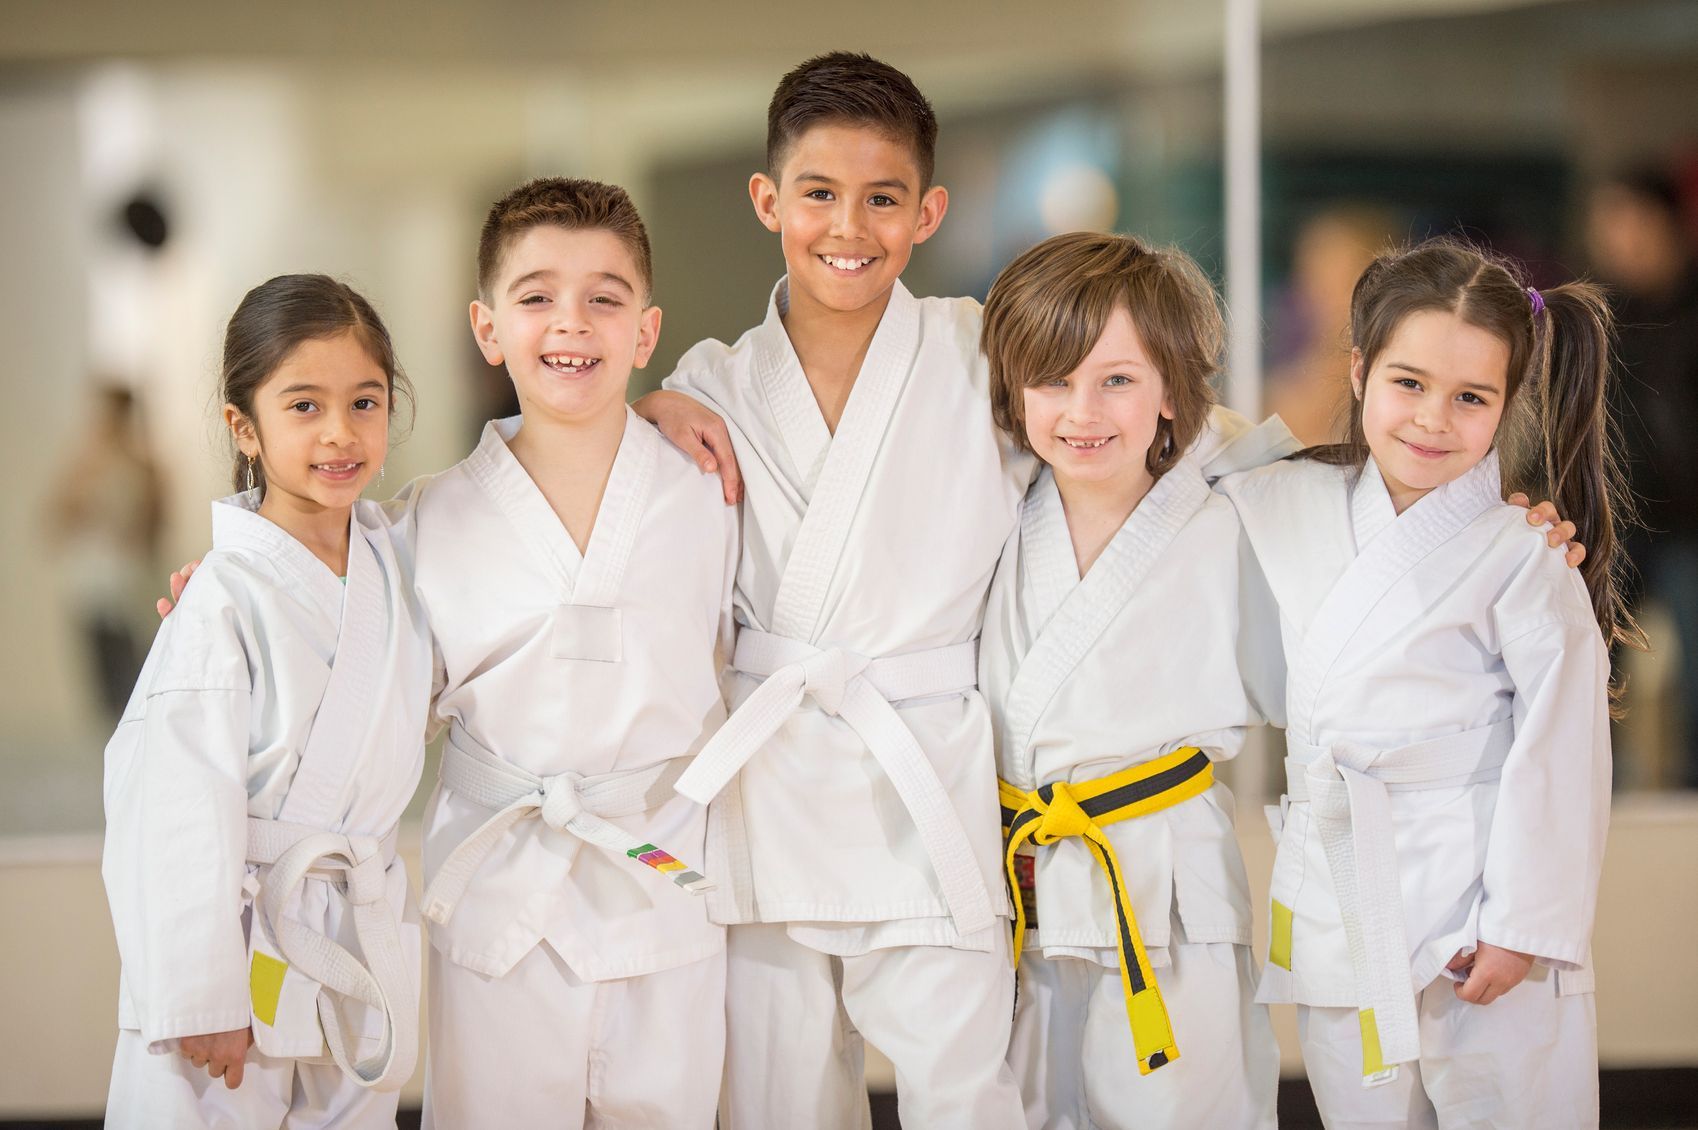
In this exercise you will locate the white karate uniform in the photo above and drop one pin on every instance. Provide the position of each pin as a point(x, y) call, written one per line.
point(1448, 784)
point(577, 672)
point(864, 817)
point(1088, 677)
point(272, 694)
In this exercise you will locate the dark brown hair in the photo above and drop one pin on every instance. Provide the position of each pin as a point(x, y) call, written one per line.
point(274, 319)
point(1558, 439)
point(1048, 307)
point(845, 88)
point(563, 202)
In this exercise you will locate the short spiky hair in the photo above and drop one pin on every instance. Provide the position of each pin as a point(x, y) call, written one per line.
point(845, 88)
point(576, 205)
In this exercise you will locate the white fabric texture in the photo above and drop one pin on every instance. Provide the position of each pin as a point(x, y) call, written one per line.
point(842, 550)
point(574, 666)
point(1401, 636)
point(1527, 1061)
point(541, 1047)
point(271, 693)
point(796, 1019)
point(1073, 1057)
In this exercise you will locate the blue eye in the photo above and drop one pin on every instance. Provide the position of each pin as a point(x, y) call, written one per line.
point(1117, 380)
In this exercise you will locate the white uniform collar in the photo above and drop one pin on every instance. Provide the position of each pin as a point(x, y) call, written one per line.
point(1449, 506)
point(237, 524)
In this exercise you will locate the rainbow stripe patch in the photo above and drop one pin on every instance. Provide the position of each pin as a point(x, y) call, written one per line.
point(664, 862)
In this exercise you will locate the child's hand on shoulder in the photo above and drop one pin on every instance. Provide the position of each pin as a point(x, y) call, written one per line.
point(1491, 971)
point(1560, 534)
point(223, 1054)
point(697, 431)
point(179, 581)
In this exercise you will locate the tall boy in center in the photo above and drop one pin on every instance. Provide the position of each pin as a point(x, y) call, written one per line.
point(854, 832)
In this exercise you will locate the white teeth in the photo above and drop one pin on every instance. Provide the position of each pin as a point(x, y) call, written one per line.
point(845, 264)
point(1085, 443)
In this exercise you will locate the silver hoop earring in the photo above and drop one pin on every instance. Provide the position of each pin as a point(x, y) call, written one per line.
point(250, 472)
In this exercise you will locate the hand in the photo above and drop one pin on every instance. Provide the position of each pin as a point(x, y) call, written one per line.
point(1491, 972)
point(698, 432)
point(223, 1054)
point(179, 581)
point(1560, 533)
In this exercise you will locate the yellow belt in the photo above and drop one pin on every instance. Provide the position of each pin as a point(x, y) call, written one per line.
point(1058, 810)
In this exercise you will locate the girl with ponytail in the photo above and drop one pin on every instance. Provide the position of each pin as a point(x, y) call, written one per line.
point(1447, 701)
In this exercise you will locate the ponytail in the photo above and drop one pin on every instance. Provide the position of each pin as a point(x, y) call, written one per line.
point(1574, 446)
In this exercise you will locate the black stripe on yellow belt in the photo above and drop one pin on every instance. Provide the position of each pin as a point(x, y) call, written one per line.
point(1059, 810)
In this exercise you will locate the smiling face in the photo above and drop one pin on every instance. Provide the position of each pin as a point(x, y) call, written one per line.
point(1096, 425)
point(566, 314)
point(320, 425)
point(849, 206)
point(1432, 401)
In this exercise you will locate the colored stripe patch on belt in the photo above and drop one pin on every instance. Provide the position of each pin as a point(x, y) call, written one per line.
point(664, 862)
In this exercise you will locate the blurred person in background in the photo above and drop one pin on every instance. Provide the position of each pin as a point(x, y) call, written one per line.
point(1307, 381)
point(105, 514)
point(1636, 235)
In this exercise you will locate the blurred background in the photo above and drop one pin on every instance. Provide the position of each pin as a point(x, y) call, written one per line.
point(160, 159)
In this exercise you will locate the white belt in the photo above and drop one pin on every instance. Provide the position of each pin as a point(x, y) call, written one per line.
point(287, 854)
point(1348, 789)
point(858, 690)
point(566, 802)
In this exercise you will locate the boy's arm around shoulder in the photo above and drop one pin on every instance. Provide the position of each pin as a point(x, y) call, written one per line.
point(684, 410)
point(1545, 852)
point(176, 797)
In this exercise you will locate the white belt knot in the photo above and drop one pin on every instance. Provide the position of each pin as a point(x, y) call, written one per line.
point(367, 875)
point(826, 675)
point(561, 800)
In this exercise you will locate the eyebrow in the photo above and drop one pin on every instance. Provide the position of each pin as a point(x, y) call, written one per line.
point(299, 388)
point(545, 273)
point(821, 178)
point(1471, 386)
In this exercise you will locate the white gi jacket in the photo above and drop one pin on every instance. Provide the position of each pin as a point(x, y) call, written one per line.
point(560, 662)
point(1086, 677)
point(879, 540)
point(1452, 624)
point(226, 723)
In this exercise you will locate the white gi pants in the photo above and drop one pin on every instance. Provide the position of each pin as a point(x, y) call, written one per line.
point(1528, 1059)
point(167, 1092)
point(796, 1019)
point(541, 1048)
point(1074, 1057)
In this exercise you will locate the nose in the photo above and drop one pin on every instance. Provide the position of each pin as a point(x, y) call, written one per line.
point(1083, 402)
point(338, 428)
point(848, 219)
point(1432, 413)
point(570, 317)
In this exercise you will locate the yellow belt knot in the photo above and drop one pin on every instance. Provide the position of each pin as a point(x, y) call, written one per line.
point(1061, 811)
point(1062, 817)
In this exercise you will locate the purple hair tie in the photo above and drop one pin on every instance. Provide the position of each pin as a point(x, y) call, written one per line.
point(1538, 301)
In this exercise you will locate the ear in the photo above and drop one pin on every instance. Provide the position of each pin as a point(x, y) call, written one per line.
point(763, 194)
point(648, 336)
point(932, 207)
point(1167, 412)
point(483, 331)
point(241, 430)
point(1356, 372)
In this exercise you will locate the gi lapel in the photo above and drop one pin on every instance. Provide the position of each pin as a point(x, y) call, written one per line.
point(1388, 547)
point(623, 505)
point(779, 375)
point(494, 468)
point(848, 462)
point(317, 791)
point(1099, 597)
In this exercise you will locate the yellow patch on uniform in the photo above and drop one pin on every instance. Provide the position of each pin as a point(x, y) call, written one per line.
point(1279, 946)
point(1372, 1062)
point(265, 986)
